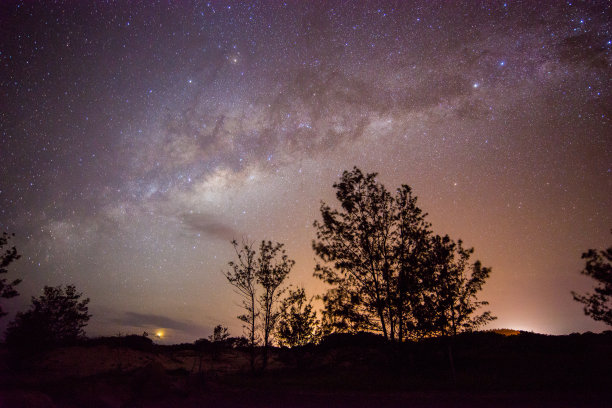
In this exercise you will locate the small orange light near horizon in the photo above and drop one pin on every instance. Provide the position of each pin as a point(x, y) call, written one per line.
point(159, 334)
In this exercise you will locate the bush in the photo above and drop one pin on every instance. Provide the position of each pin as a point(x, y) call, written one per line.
point(58, 317)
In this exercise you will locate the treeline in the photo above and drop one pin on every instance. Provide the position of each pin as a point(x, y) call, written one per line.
point(386, 271)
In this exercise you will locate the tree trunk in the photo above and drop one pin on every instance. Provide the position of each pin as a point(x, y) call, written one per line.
point(265, 349)
point(252, 333)
point(381, 316)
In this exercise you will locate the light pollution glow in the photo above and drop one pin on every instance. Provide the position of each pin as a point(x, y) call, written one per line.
point(138, 139)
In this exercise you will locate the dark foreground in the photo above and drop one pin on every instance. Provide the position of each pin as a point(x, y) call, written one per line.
point(525, 370)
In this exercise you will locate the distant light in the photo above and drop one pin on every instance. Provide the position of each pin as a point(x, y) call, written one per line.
point(502, 63)
point(476, 85)
point(159, 334)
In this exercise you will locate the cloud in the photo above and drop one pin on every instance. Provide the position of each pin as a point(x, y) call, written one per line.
point(144, 320)
point(209, 225)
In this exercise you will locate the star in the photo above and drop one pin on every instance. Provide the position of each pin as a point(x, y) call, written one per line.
point(137, 140)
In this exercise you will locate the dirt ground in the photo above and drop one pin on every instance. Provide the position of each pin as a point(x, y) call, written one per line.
point(114, 377)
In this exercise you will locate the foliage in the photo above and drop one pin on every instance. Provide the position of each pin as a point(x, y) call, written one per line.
point(241, 275)
point(598, 266)
point(342, 312)
point(298, 324)
point(220, 334)
point(237, 342)
point(448, 302)
point(267, 268)
point(388, 272)
point(57, 317)
point(8, 256)
point(357, 242)
point(273, 266)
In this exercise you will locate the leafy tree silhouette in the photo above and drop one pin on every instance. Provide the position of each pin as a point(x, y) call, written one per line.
point(57, 317)
point(450, 296)
point(341, 312)
point(220, 334)
point(598, 266)
point(447, 302)
point(298, 324)
point(357, 241)
point(218, 342)
point(7, 256)
point(389, 273)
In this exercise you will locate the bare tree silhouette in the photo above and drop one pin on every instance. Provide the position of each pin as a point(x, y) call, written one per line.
point(267, 269)
point(273, 267)
point(241, 275)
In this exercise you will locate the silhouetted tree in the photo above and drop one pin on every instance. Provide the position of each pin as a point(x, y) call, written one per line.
point(7, 256)
point(273, 266)
point(237, 342)
point(217, 343)
point(220, 334)
point(448, 301)
point(268, 269)
point(298, 324)
point(451, 298)
point(355, 241)
point(598, 266)
point(366, 248)
point(200, 346)
point(342, 312)
point(412, 239)
point(57, 317)
point(242, 276)
point(387, 270)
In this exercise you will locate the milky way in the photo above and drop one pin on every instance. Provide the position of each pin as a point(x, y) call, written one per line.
point(139, 138)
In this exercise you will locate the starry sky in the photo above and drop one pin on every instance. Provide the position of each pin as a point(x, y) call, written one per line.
point(138, 138)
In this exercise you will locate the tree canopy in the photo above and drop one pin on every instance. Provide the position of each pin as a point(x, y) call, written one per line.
point(58, 316)
point(388, 272)
point(298, 324)
point(7, 256)
point(598, 266)
point(258, 277)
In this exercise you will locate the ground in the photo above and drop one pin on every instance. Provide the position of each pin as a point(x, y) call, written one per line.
point(490, 370)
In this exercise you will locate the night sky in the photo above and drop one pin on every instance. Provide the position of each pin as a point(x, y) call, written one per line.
point(138, 138)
